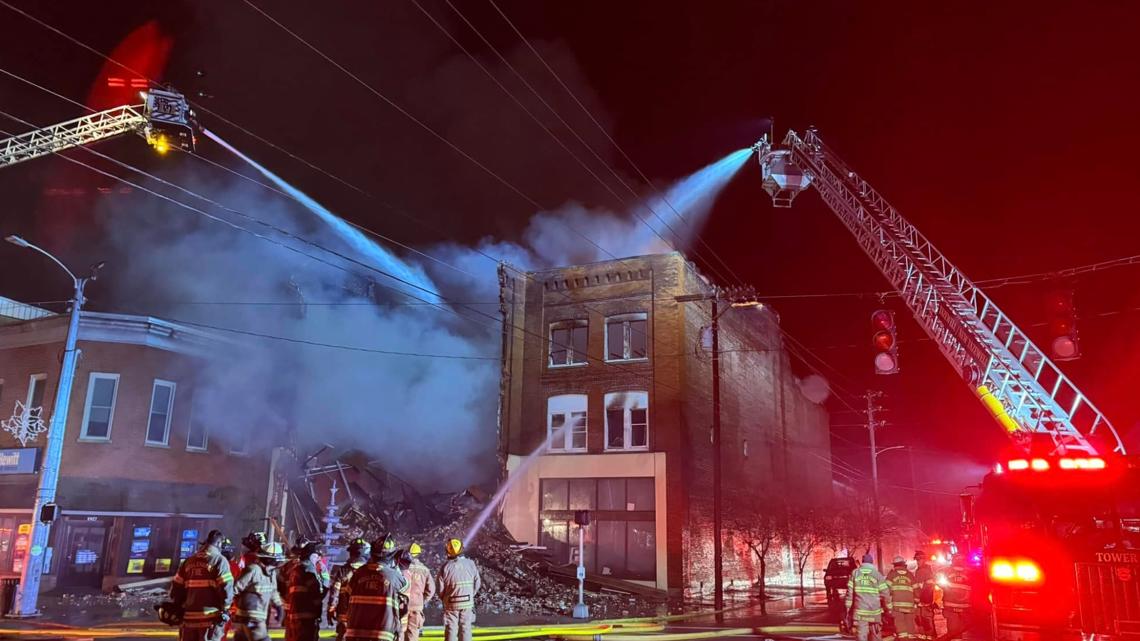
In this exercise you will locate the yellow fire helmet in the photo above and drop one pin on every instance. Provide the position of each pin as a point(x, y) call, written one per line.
point(454, 547)
point(415, 550)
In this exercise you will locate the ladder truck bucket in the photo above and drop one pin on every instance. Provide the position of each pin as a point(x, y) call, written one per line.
point(170, 121)
point(783, 178)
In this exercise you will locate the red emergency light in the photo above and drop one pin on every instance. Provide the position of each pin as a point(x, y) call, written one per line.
point(1043, 465)
point(1023, 571)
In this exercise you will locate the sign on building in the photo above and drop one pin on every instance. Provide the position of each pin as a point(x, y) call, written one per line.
point(21, 460)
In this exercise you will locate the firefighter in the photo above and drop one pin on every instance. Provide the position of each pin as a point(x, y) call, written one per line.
point(924, 585)
point(306, 595)
point(956, 598)
point(253, 543)
point(254, 592)
point(901, 583)
point(203, 588)
point(358, 552)
point(285, 570)
point(377, 597)
point(457, 584)
point(421, 588)
point(227, 550)
point(868, 597)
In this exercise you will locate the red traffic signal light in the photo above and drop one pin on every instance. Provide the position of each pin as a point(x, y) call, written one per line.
point(884, 340)
point(1062, 324)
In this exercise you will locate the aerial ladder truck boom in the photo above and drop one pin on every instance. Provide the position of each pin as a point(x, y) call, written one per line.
point(165, 120)
point(1019, 385)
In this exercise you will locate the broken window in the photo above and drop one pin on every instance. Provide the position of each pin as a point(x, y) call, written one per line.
point(566, 423)
point(161, 407)
point(627, 420)
point(198, 437)
point(627, 337)
point(568, 342)
point(36, 385)
point(100, 408)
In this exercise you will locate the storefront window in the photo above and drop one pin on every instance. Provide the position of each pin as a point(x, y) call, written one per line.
point(621, 543)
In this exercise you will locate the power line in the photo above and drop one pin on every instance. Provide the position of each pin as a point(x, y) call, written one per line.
point(602, 129)
point(352, 348)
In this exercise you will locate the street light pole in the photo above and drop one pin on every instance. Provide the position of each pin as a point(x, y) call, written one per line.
point(28, 591)
point(718, 545)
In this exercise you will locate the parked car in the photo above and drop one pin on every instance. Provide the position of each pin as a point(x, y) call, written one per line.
point(836, 576)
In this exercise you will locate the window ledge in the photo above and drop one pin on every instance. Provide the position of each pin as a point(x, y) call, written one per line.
point(197, 450)
point(92, 439)
point(640, 448)
point(567, 365)
point(567, 451)
point(162, 446)
point(628, 360)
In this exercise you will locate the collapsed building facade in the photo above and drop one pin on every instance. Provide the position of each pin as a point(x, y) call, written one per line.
point(606, 361)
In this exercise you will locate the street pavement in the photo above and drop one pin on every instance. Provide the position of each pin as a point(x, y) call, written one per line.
point(788, 616)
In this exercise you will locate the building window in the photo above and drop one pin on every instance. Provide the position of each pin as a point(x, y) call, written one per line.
point(621, 544)
point(198, 437)
point(627, 421)
point(568, 343)
point(98, 414)
point(37, 383)
point(627, 337)
point(566, 423)
point(161, 408)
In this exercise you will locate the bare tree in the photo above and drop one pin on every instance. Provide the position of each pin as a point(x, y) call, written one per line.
point(759, 524)
point(805, 533)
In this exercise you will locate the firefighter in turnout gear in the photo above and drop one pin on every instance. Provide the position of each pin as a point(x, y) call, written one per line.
point(377, 597)
point(203, 589)
point(358, 553)
point(457, 584)
point(868, 597)
point(306, 596)
point(956, 598)
point(924, 586)
point(421, 588)
point(254, 592)
point(901, 583)
point(253, 543)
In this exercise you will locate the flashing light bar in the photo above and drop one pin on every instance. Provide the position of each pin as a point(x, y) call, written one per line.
point(1043, 465)
point(1015, 571)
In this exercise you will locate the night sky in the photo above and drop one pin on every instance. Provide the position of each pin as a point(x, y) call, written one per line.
point(1007, 136)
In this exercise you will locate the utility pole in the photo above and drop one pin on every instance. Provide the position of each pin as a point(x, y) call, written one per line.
point(718, 552)
point(735, 297)
point(872, 425)
point(44, 510)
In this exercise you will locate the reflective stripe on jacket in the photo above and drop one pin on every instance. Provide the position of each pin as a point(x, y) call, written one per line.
point(458, 583)
point(306, 592)
point(203, 586)
point(254, 592)
point(340, 577)
point(956, 594)
point(421, 587)
point(902, 587)
point(377, 597)
point(867, 592)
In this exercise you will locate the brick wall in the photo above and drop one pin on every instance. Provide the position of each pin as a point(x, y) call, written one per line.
point(760, 400)
point(115, 472)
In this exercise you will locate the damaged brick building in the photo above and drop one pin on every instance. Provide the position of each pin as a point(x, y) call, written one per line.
point(606, 358)
point(149, 463)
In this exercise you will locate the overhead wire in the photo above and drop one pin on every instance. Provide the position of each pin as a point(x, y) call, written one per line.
point(599, 125)
point(573, 131)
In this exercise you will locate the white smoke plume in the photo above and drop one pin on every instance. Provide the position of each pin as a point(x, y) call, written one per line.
point(429, 420)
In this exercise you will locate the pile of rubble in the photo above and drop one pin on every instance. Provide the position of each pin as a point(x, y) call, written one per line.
point(520, 579)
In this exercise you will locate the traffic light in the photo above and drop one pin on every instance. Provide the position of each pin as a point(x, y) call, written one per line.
point(885, 342)
point(1062, 322)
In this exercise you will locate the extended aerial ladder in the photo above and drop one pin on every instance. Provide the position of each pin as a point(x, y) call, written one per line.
point(1019, 385)
point(165, 120)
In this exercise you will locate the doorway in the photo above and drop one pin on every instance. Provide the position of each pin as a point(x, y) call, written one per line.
point(84, 553)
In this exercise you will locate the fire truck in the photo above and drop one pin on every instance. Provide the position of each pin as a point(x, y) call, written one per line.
point(1057, 523)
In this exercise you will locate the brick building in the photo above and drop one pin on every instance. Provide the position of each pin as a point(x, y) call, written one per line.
point(608, 361)
point(147, 467)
